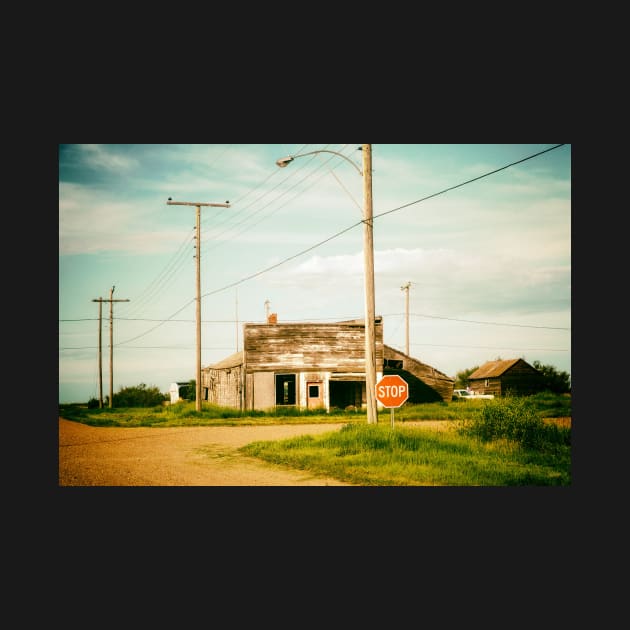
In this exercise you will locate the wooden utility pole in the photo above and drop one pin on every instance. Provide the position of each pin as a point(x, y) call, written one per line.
point(198, 283)
point(111, 347)
point(368, 255)
point(405, 288)
point(236, 319)
point(100, 357)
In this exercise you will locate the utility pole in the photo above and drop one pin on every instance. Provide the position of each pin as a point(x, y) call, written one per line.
point(198, 259)
point(236, 319)
point(111, 347)
point(368, 254)
point(100, 357)
point(405, 288)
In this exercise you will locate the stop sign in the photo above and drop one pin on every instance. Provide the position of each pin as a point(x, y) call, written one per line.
point(392, 390)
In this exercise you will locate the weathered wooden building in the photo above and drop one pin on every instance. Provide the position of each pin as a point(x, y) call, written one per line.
point(310, 365)
point(510, 377)
point(426, 384)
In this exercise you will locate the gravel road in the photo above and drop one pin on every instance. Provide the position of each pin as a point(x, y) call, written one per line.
point(177, 456)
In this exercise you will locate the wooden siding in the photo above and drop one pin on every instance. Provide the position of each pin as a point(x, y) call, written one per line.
point(334, 347)
point(224, 386)
point(426, 384)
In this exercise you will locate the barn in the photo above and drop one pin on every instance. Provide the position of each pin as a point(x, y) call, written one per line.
point(311, 365)
point(509, 377)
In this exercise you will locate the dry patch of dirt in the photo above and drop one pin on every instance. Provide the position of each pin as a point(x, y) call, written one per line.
point(177, 456)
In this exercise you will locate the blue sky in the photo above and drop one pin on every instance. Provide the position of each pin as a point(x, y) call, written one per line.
point(489, 261)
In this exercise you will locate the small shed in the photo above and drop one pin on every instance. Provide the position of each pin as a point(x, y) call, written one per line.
point(174, 390)
point(510, 377)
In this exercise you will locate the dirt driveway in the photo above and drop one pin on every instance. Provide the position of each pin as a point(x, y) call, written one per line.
point(178, 456)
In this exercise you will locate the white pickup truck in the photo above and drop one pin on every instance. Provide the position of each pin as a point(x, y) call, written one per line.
point(464, 394)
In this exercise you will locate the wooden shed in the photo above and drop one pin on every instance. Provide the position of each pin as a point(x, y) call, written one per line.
point(175, 390)
point(311, 365)
point(510, 377)
point(222, 383)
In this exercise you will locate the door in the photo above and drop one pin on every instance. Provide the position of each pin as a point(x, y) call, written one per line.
point(314, 394)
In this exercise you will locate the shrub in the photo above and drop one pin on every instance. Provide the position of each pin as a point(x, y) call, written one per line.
point(139, 396)
point(517, 420)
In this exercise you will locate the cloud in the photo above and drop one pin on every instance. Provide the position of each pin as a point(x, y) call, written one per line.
point(91, 221)
point(449, 281)
point(98, 157)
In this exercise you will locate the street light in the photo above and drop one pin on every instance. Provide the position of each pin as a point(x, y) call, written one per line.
point(285, 161)
point(368, 258)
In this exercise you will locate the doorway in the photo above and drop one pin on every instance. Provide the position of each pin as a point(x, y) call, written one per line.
point(314, 394)
point(347, 393)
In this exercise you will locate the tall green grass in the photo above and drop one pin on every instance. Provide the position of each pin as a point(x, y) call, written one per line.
point(377, 455)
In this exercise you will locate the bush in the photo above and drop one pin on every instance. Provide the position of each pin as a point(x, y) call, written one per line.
point(517, 420)
point(139, 396)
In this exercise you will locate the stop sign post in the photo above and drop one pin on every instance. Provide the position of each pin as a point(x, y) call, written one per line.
point(392, 391)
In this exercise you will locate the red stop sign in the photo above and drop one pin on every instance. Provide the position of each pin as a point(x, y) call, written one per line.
point(392, 390)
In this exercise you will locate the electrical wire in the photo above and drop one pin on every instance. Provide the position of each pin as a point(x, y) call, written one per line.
point(336, 235)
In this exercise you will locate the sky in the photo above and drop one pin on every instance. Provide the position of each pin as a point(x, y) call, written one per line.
point(481, 233)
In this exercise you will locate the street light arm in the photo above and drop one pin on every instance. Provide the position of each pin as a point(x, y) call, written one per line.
point(282, 162)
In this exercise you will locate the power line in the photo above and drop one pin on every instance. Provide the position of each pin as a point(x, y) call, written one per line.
point(170, 271)
point(443, 345)
point(472, 321)
point(269, 214)
point(274, 172)
point(335, 318)
point(474, 179)
point(233, 215)
point(337, 234)
point(330, 238)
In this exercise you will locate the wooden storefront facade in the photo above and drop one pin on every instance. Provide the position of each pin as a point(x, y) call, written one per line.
point(308, 365)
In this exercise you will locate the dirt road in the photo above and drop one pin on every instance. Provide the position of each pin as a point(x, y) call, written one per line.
point(178, 456)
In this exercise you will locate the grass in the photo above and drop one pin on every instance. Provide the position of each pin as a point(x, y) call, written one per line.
point(500, 442)
point(376, 455)
point(185, 413)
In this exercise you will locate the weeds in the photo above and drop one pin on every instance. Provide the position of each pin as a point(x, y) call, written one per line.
point(517, 420)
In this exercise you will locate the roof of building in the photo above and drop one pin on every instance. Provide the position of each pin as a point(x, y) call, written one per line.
point(378, 320)
point(229, 362)
point(493, 368)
